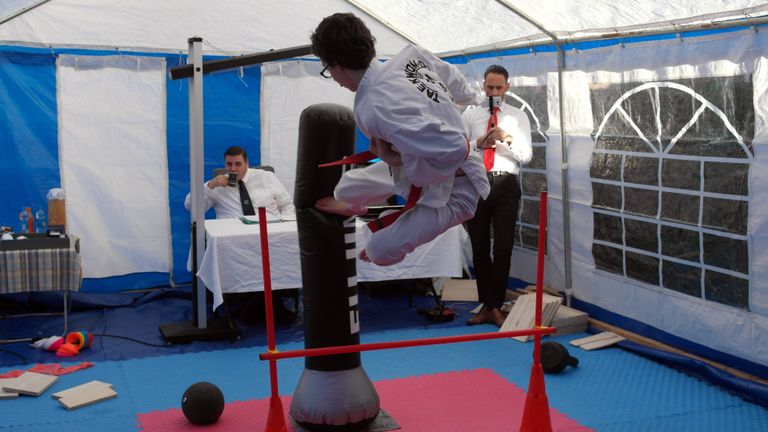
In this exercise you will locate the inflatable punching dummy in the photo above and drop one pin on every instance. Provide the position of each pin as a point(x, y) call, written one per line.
point(334, 392)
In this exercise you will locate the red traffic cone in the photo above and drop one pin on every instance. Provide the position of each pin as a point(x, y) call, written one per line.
point(276, 418)
point(536, 411)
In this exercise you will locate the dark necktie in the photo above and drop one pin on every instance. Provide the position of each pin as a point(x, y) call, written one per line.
point(245, 200)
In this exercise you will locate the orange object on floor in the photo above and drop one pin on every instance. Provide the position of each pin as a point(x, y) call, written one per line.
point(536, 411)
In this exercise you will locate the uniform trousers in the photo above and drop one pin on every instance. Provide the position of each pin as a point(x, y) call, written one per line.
point(419, 225)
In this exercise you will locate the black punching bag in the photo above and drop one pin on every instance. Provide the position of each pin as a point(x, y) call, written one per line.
point(334, 392)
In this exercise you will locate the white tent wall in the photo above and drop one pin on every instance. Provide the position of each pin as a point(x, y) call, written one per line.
point(284, 84)
point(715, 316)
point(738, 328)
point(113, 165)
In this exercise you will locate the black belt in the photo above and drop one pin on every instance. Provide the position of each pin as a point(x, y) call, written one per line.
point(498, 173)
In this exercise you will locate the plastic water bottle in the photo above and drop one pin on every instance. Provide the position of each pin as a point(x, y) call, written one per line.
point(40, 221)
point(23, 221)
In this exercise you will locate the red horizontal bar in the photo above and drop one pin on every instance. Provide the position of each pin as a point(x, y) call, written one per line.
point(346, 349)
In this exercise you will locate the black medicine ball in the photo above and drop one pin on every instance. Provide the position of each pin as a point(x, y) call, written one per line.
point(202, 403)
point(555, 357)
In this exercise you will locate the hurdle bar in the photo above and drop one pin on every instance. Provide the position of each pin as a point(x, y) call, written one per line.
point(346, 349)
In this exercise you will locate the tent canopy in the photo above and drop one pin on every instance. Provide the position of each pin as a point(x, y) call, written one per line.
point(247, 26)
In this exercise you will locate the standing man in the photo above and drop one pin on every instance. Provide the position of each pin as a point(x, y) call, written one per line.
point(501, 135)
point(406, 107)
point(253, 188)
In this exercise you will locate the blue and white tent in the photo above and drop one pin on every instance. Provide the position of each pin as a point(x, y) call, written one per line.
point(657, 219)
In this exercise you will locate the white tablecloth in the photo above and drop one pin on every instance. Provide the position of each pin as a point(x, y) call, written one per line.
point(232, 259)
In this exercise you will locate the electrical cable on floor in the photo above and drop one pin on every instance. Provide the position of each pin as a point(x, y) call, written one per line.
point(132, 340)
point(10, 341)
point(16, 354)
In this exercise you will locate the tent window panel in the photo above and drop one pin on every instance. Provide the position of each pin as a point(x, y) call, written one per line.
point(538, 159)
point(726, 289)
point(680, 243)
point(602, 96)
point(628, 142)
point(744, 110)
point(608, 258)
point(680, 208)
point(726, 215)
point(536, 97)
point(726, 178)
point(708, 147)
point(689, 119)
point(606, 196)
point(529, 238)
point(534, 183)
point(732, 95)
point(681, 174)
point(530, 211)
point(605, 166)
point(641, 235)
point(608, 228)
point(682, 278)
point(641, 201)
point(641, 108)
point(532, 100)
point(641, 170)
point(726, 253)
point(677, 108)
point(643, 268)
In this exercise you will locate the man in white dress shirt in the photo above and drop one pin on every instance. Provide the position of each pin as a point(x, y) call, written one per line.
point(264, 190)
point(407, 108)
point(501, 134)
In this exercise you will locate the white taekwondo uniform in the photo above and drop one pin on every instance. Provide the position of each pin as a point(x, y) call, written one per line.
point(409, 102)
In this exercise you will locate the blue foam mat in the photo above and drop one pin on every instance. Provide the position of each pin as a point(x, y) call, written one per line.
point(611, 390)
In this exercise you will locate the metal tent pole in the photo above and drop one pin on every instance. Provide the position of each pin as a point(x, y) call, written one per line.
point(200, 328)
point(563, 146)
point(196, 147)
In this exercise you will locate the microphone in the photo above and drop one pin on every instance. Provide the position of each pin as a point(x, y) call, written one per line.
point(493, 102)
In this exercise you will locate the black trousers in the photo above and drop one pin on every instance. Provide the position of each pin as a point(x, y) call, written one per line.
point(499, 211)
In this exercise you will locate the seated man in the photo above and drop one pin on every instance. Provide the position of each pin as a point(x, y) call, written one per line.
point(255, 188)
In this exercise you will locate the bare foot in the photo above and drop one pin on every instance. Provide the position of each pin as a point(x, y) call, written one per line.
point(331, 205)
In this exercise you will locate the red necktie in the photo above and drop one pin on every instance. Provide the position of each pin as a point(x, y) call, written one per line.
point(489, 153)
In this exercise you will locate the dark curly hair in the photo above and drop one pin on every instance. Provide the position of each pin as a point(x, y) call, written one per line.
point(343, 39)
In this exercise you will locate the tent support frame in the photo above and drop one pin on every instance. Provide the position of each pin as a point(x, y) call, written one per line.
point(568, 289)
point(200, 328)
point(532, 44)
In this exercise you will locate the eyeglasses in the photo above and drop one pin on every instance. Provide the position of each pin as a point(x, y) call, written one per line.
point(325, 73)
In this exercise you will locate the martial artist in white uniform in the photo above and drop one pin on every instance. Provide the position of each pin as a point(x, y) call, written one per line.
point(409, 102)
